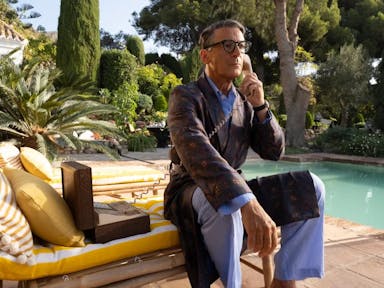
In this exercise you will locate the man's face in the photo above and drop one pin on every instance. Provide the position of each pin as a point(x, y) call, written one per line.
point(220, 64)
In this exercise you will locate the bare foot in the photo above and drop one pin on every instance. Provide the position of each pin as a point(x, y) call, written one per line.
point(283, 284)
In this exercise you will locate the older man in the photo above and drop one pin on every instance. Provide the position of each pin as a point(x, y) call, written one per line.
point(212, 125)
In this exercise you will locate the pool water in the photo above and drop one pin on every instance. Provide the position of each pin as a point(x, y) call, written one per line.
point(353, 192)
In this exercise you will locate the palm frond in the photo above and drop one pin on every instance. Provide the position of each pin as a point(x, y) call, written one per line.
point(42, 144)
point(63, 140)
point(37, 113)
point(12, 131)
point(8, 101)
point(76, 110)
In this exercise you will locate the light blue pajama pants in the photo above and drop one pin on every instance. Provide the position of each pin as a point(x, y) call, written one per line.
point(302, 250)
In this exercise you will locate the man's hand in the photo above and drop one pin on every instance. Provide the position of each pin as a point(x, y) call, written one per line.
point(261, 230)
point(253, 89)
point(251, 86)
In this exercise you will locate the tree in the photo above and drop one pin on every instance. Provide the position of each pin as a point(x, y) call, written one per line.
point(152, 58)
point(365, 19)
point(171, 64)
point(177, 24)
point(78, 42)
point(378, 96)
point(7, 14)
point(180, 22)
point(296, 95)
point(343, 81)
point(41, 117)
point(108, 41)
point(191, 65)
point(136, 47)
point(23, 11)
point(320, 29)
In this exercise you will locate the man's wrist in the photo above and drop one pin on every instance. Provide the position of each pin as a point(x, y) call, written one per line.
point(261, 107)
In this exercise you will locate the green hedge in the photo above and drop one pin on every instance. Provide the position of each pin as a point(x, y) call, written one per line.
point(350, 141)
point(116, 67)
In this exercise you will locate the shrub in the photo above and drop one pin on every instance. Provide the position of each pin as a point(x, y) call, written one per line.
point(136, 47)
point(140, 142)
point(144, 103)
point(116, 67)
point(160, 103)
point(172, 64)
point(282, 118)
point(152, 58)
point(366, 144)
point(309, 121)
point(125, 100)
point(350, 141)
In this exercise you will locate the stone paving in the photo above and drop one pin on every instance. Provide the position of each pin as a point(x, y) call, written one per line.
point(354, 254)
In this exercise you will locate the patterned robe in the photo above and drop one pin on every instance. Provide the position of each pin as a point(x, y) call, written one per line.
point(212, 163)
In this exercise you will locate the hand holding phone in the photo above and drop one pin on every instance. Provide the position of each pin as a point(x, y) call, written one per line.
point(251, 86)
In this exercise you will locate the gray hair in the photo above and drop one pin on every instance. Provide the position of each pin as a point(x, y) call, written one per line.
point(208, 32)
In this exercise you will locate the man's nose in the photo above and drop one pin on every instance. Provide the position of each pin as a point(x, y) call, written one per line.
point(236, 52)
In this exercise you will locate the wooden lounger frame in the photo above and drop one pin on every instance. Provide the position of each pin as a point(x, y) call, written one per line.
point(134, 271)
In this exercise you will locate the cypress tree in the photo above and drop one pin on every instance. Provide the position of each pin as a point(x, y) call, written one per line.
point(78, 42)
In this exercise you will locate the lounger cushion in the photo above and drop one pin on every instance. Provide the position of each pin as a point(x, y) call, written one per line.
point(15, 233)
point(36, 163)
point(105, 177)
point(115, 174)
point(46, 211)
point(9, 156)
point(57, 260)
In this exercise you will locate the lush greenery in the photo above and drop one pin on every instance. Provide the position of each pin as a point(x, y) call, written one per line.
point(351, 141)
point(343, 82)
point(78, 42)
point(378, 99)
point(39, 116)
point(340, 39)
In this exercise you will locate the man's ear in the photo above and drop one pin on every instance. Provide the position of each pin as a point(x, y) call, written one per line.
point(204, 56)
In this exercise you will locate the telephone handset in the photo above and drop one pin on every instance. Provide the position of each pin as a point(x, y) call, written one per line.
point(247, 65)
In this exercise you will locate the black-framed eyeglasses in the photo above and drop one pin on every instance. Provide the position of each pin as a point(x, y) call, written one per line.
point(230, 45)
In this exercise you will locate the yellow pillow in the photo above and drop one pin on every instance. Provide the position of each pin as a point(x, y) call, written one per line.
point(46, 211)
point(15, 233)
point(9, 156)
point(36, 163)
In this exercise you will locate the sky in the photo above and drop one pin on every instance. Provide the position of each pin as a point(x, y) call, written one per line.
point(115, 16)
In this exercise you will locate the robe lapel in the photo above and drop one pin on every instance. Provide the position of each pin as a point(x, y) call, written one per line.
point(215, 113)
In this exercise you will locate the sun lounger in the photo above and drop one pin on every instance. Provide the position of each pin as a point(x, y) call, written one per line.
point(125, 262)
point(54, 264)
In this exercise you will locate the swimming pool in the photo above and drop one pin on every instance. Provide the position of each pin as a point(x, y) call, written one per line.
point(353, 192)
